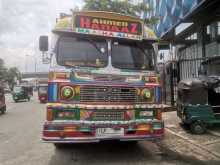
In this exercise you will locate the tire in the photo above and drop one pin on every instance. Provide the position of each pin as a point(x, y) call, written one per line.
point(59, 145)
point(4, 110)
point(132, 143)
point(198, 127)
point(16, 101)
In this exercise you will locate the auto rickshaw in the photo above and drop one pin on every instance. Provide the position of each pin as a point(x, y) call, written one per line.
point(2, 101)
point(198, 103)
point(22, 93)
point(42, 93)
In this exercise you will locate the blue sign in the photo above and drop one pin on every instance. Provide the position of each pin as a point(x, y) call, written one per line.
point(170, 12)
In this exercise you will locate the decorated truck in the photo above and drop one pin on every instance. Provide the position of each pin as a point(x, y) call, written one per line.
point(103, 83)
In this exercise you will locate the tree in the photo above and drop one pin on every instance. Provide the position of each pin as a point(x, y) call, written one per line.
point(3, 70)
point(119, 6)
point(13, 74)
point(9, 75)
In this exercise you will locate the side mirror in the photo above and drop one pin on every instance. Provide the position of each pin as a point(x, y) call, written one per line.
point(43, 43)
point(161, 56)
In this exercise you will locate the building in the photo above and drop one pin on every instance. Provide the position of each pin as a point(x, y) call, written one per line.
point(170, 12)
point(193, 28)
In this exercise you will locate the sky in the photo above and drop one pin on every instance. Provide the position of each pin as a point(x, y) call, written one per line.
point(21, 24)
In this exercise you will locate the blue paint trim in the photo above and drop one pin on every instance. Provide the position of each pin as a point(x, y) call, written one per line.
point(52, 92)
point(158, 94)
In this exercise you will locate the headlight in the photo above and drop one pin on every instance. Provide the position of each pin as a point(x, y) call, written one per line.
point(65, 114)
point(151, 79)
point(146, 93)
point(146, 113)
point(67, 92)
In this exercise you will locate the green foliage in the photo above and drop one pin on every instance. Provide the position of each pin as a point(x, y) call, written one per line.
point(3, 70)
point(9, 75)
point(13, 74)
point(120, 6)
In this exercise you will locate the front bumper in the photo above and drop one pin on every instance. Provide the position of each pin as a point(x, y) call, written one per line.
point(54, 132)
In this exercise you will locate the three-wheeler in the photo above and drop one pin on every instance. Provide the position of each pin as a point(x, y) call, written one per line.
point(42, 93)
point(22, 92)
point(198, 103)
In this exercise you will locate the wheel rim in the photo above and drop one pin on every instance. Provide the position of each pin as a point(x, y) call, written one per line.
point(198, 129)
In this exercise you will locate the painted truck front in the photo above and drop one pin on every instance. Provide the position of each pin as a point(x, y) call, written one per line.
point(102, 82)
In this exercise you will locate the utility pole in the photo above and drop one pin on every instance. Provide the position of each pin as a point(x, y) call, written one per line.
point(26, 62)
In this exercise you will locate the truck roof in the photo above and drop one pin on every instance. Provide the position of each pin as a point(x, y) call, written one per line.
point(106, 24)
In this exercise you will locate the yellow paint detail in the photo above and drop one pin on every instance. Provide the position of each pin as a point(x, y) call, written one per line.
point(77, 90)
point(144, 127)
point(63, 24)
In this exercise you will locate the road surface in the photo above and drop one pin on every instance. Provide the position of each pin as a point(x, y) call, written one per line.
point(20, 144)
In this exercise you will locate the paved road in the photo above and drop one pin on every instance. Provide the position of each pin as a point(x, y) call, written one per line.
point(20, 144)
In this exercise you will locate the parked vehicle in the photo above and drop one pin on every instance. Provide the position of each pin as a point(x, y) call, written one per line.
point(42, 93)
point(198, 103)
point(7, 90)
point(106, 86)
point(22, 93)
point(2, 101)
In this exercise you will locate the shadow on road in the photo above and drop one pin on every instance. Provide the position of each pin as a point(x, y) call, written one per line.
point(119, 153)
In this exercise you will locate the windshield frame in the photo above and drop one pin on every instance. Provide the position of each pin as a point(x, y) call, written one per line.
point(43, 89)
point(18, 89)
point(108, 52)
point(89, 39)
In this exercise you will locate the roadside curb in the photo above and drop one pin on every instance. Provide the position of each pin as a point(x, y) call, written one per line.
point(214, 133)
point(193, 143)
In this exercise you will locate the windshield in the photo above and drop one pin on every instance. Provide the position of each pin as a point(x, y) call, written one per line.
point(82, 52)
point(43, 89)
point(17, 89)
point(137, 56)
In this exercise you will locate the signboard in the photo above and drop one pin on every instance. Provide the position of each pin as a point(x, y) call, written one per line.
point(108, 27)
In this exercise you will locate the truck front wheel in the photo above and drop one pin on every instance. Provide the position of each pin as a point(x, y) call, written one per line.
point(198, 127)
point(60, 145)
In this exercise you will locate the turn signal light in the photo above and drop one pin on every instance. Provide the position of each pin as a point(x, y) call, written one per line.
point(159, 114)
point(70, 129)
point(49, 114)
point(65, 114)
point(59, 75)
point(151, 79)
point(144, 127)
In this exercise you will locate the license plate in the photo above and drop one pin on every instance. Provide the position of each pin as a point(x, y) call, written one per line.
point(109, 132)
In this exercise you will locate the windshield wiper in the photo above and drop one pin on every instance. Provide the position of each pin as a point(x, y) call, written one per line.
point(143, 51)
point(95, 45)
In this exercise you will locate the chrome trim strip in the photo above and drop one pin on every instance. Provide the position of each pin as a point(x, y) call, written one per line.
point(103, 122)
point(86, 106)
point(95, 139)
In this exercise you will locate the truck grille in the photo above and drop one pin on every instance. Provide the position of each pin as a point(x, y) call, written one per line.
point(107, 94)
point(108, 115)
